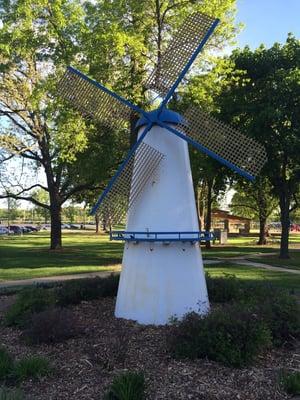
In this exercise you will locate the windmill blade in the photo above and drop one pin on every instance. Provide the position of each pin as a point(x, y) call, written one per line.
point(181, 53)
point(222, 142)
point(126, 189)
point(93, 100)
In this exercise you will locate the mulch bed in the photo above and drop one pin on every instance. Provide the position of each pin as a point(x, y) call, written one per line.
point(85, 366)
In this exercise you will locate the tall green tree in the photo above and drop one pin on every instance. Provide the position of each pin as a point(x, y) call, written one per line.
point(37, 39)
point(263, 99)
point(255, 200)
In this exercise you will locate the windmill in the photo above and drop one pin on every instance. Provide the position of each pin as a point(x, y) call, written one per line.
point(162, 269)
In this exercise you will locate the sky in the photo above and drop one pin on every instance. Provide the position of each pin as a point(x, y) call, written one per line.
point(267, 21)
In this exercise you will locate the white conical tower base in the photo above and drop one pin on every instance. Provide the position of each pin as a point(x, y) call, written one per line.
point(163, 280)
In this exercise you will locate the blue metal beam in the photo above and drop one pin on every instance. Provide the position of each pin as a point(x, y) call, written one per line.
point(190, 62)
point(104, 89)
point(210, 153)
point(122, 166)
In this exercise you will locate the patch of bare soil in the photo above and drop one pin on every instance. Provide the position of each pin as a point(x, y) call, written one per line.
point(85, 366)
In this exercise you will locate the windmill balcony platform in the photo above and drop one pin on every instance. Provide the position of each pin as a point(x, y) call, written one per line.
point(165, 237)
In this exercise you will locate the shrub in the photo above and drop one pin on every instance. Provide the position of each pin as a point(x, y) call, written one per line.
point(282, 314)
point(10, 394)
point(290, 382)
point(73, 292)
point(31, 367)
point(128, 386)
point(28, 301)
point(232, 335)
point(223, 289)
point(6, 364)
point(51, 326)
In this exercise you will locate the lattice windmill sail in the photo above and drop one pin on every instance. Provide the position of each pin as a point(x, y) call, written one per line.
point(162, 270)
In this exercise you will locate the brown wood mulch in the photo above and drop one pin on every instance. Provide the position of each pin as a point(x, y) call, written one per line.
point(85, 366)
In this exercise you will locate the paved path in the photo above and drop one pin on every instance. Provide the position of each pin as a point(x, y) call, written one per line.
point(241, 260)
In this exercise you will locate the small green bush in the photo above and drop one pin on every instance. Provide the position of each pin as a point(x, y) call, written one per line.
point(51, 326)
point(290, 382)
point(233, 336)
point(128, 386)
point(31, 367)
point(223, 289)
point(10, 394)
point(73, 292)
point(28, 301)
point(282, 315)
point(6, 364)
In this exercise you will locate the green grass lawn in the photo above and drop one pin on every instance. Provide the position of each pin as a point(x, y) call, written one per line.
point(24, 257)
point(281, 279)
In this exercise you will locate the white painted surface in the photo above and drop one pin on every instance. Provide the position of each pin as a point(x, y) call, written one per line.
point(159, 281)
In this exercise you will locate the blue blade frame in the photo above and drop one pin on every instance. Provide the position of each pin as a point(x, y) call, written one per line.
point(121, 168)
point(208, 152)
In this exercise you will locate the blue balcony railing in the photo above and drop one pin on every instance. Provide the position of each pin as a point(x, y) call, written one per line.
point(128, 236)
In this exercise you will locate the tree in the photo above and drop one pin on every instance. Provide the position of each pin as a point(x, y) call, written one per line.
point(42, 196)
point(255, 200)
point(38, 38)
point(263, 100)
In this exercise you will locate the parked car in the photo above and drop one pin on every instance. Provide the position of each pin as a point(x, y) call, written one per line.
point(65, 226)
point(4, 231)
point(17, 230)
point(31, 228)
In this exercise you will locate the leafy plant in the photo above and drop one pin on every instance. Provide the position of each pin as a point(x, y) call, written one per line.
point(233, 336)
point(73, 292)
point(223, 289)
point(282, 314)
point(51, 326)
point(6, 364)
point(31, 367)
point(128, 386)
point(290, 382)
point(10, 394)
point(28, 301)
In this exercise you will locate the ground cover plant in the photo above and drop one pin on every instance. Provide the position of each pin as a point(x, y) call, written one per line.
point(28, 301)
point(53, 325)
point(290, 382)
point(73, 292)
point(31, 367)
point(15, 371)
point(6, 364)
point(10, 394)
point(127, 386)
point(258, 317)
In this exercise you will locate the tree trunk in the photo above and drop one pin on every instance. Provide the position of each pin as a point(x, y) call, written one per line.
point(56, 242)
point(208, 215)
point(262, 231)
point(284, 203)
point(97, 221)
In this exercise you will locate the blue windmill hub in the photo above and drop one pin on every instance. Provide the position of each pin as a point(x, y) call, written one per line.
point(160, 115)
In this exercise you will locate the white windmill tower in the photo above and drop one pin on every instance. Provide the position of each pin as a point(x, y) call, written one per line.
point(162, 270)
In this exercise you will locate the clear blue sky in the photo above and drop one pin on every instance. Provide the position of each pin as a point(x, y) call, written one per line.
point(267, 21)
